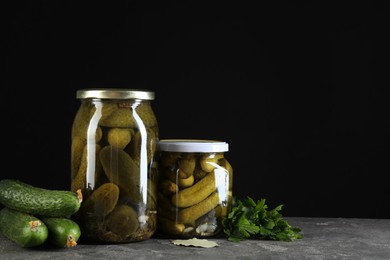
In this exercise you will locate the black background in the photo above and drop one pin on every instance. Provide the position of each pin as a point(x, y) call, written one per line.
point(295, 88)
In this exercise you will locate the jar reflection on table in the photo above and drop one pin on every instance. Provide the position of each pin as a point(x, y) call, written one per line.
point(114, 137)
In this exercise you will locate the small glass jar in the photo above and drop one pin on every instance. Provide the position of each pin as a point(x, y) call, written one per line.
point(194, 190)
point(114, 140)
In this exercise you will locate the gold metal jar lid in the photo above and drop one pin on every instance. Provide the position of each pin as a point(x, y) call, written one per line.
point(114, 93)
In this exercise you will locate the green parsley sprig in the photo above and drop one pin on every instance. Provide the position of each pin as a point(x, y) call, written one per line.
point(250, 219)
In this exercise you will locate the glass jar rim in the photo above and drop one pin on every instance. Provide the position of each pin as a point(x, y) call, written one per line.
point(114, 93)
point(192, 146)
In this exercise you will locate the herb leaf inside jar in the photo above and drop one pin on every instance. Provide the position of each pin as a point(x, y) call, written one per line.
point(250, 219)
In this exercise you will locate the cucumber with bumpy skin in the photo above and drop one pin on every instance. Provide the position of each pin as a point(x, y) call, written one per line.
point(24, 229)
point(24, 197)
point(63, 232)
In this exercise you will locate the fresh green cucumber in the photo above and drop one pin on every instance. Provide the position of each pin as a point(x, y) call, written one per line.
point(24, 197)
point(24, 229)
point(63, 232)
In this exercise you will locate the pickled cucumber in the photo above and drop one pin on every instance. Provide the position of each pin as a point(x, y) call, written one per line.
point(102, 201)
point(144, 110)
point(186, 167)
point(79, 181)
point(115, 116)
point(196, 193)
point(150, 141)
point(123, 221)
point(122, 171)
point(119, 137)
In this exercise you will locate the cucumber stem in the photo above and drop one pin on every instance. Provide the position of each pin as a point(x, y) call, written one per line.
point(34, 224)
point(70, 241)
point(79, 195)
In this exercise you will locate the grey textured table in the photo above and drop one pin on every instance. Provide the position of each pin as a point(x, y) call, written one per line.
point(324, 238)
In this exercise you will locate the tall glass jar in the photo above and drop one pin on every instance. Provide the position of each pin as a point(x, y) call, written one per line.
point(194, 190)
point(114, 139)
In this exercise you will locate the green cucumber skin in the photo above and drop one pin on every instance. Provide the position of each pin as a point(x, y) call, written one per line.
point(15, 225)
point(37, 201)
point(60, 229)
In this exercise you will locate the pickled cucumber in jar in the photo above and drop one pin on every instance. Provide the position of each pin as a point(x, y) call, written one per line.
point(113, 161)
point(194, 189)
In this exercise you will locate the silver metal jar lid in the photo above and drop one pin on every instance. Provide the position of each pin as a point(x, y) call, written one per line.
point(114, 93)
point(192, 146)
